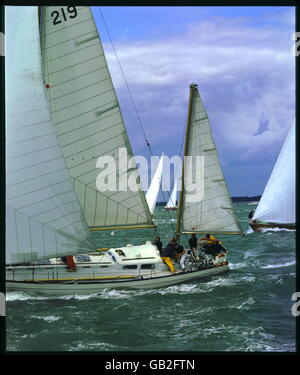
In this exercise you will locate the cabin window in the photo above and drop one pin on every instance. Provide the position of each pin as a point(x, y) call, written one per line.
point(147, 266)
point(83, 258)
point(43, 261)
point(110, 253)
point(130, 267)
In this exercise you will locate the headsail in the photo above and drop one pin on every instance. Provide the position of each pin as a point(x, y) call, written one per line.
point(87, 117)
point(43, 215)
point(153, 191)
point(277, 204)
point(213, 212)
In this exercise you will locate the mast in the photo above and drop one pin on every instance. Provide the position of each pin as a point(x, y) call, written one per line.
point(193, 86)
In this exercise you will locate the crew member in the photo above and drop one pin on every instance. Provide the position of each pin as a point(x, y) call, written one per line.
point(168, 254)
point(158, 244)
point(193, 241)
point(211, 245)
point(69, 261)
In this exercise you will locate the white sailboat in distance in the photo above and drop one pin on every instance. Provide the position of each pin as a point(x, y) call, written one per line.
point(153, 191)
point(62, 114)
point(277, 206)
point(172, 202)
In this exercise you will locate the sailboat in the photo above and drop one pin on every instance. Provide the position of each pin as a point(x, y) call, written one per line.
point(172, 202)
point(154, 188)
point(212, 212)
point(276, 208)
point(62, 114)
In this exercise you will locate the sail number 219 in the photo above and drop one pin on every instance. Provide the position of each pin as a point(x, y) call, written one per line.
point(63, 15)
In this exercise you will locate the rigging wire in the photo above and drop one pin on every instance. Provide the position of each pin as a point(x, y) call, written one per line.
point(134, 106)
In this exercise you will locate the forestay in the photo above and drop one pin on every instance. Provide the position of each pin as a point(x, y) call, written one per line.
point(213, 211)
point(43, 215)
point(87, 117)
point(277, 204)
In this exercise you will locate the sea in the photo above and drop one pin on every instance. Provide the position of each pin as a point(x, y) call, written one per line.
point(248, 309)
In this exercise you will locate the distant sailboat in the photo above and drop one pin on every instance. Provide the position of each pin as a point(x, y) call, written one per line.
point(153, 191)
point(276, 208)
point(172, 202)
point(213, 212)
point(62, 114)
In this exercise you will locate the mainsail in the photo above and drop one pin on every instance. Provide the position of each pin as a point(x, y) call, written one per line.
point(277, 204)
point(213, 211)
point(87, 117)
point(153, 191)
point(43, 216)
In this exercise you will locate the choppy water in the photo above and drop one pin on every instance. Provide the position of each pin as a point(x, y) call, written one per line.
point(247, 309)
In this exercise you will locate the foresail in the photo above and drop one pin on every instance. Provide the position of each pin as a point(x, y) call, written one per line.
point(153, 191)
point(87, 117)
point(213, 212)
point(278, 202)
point(43, 216)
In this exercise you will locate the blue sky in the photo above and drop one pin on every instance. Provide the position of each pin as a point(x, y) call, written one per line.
point(241, 58)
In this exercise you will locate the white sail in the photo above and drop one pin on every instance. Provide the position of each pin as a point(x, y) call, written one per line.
point(87, 117)
point(173, 197)
point(213, 212)
point(277, 204)
point(43, 215)
point(153, 191)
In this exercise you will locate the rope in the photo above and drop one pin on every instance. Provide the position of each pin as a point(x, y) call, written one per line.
point(134, 106)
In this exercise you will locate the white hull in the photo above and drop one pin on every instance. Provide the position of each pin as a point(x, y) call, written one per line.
point(65, 288)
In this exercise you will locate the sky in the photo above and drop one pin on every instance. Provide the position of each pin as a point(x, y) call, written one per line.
point(240, 57)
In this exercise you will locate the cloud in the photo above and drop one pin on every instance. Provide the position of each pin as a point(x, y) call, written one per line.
point(245, 72)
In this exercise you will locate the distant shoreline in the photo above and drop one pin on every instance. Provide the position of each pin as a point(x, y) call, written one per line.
point(246, 199)
point(256, 198)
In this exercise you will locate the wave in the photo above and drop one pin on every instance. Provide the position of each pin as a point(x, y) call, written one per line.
point(49, 318)
point(234, 266)
point(21, 296)
point(264, 230)
point(244, 305)
point(280, 265)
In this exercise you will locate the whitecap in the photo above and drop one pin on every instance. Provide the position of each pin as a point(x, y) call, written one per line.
point(181, 288)
point(234, 266)
point(21, 296)
point(47, 318)
point(280, 265)
point(264, 230)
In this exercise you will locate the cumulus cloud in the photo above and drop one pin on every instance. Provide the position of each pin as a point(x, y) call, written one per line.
point(245, 72)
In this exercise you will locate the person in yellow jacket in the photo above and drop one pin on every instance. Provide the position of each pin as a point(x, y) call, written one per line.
point(211, 240)
point(169, 253)
point(211, 245)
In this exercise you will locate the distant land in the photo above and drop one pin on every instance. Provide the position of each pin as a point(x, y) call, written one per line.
point(256, 198)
